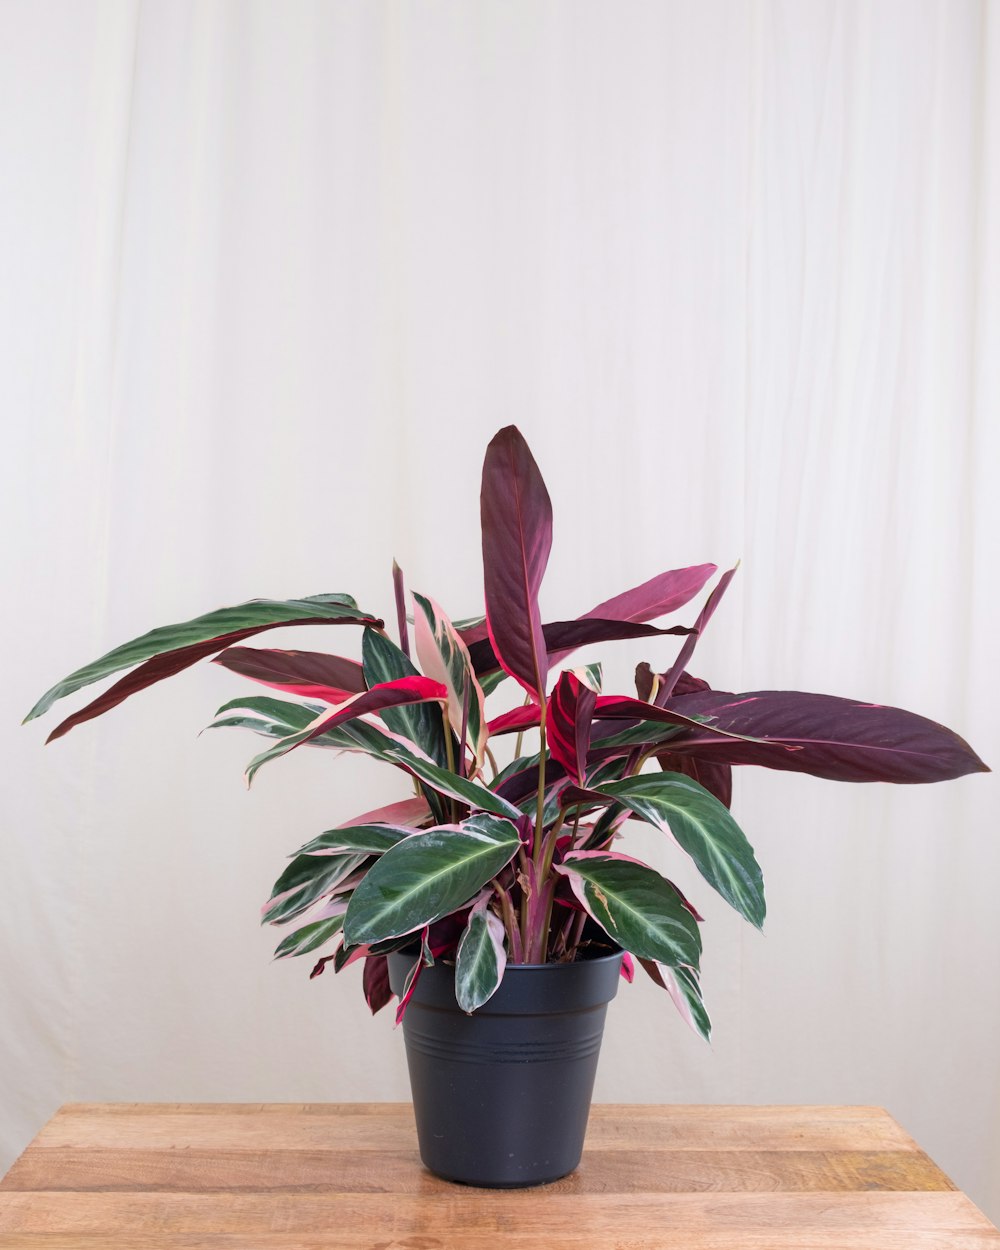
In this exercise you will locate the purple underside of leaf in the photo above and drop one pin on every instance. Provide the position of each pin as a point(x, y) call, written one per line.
point(824, 735)
point(161, 666)
point(375, 982)
point(716, 778)
point(670, 678)
point(562, 637)
point(307, 674)
point(659, 596)
point(517, 537)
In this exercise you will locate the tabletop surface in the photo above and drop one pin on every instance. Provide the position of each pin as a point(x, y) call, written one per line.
point(311, 1177)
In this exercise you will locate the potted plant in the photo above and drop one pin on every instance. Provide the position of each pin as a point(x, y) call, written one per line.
point(495, 904)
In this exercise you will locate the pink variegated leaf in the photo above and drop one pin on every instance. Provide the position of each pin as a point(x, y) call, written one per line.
point(424, 960)
point(527, 716)
point(308, 674)
point(405, 812)
point(627, 968)
point(481, 958)
point(444, 657)
point(517, 537)
point(399, 591)
point(571, 711)
point(390, 694)
point(682, 985)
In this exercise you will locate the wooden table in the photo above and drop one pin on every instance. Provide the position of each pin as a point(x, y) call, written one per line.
point(293, 1177)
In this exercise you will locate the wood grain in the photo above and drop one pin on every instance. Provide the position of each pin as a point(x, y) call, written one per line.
point(301, 1177)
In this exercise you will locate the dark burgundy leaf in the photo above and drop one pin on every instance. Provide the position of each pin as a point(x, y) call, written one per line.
point(672, 676)
point(308, 674)
point(517, 537)
point(716, 778)
point(375, 982)
point(686, 684)
point(561, 637)
point(826, 736)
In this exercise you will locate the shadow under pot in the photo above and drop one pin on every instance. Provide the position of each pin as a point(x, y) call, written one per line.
point(501, 1096)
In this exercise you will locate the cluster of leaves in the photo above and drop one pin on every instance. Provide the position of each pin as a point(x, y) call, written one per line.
point(484, 865)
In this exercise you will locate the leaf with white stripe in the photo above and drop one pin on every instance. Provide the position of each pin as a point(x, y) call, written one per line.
point(427, 876)
point(481, 959)
point(704, 828)
point(445, 658)
point(642, 911)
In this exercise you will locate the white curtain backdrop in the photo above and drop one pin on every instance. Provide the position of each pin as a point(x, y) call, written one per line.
point(272, 274)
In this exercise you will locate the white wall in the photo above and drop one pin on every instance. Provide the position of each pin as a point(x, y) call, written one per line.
point(271, 277)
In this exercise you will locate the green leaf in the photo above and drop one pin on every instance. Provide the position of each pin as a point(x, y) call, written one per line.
point(704, 828)
point(490, 681)
point(683, 987)
point(447, 782)
point(371, 839)
point(427, 876)
point(191, 640)
point(637, 907)
point(481, 958)
point(309, 938)
point(307, 878)
point(420, 723)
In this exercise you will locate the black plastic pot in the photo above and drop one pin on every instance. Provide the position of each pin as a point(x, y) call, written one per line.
point(502, 1096)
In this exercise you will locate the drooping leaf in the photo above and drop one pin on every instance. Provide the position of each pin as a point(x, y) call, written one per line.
point(375, 982)
point(524, 716)
point(636, 907)
point(170, 649)
point(445, 658)
point(592, 675)
point(517, 536)
point(427, 876)
point(571, 711)
point(446, 782)
point(306, 879)
point(683, 987)
point(411, 812)
point(310, 937)
point(373, 839)
point(380, 698)
point(481, 959)
point(704, 828)
point(308, 674)
point(826, 736)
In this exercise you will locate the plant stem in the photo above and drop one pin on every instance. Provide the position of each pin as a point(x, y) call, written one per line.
point(520, 733)
point(449, 751)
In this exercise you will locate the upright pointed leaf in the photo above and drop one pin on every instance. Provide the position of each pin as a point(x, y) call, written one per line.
point(445, 658)
point(427, 876)
point(672, 676)
point(517, 536)
point(826, 736)
point(172, 648)
point(635, 906)
point(481, 958)
point(571, 711)
point(308, 674)
point(704, 828)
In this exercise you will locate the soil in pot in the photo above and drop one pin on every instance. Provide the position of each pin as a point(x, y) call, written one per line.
point(502, 1096)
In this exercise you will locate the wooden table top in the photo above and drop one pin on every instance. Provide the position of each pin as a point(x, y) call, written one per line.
point(312, 1177)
